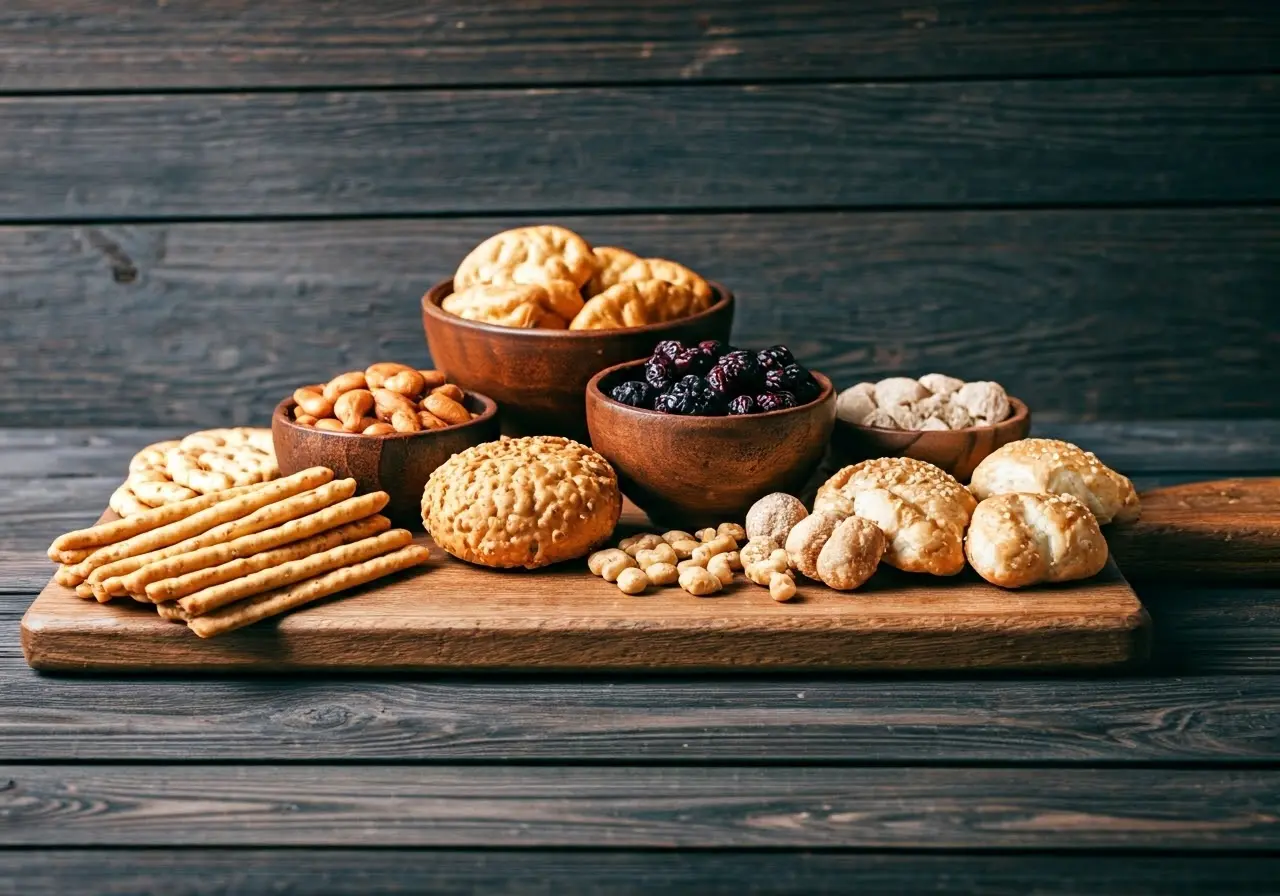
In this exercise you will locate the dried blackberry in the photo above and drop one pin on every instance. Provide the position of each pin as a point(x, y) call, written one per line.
point(668, 348)
point(659, 372)
point(775, 357)
point(737, 373)
point(775, 401)
point(714, 348)
point(743, 404)
point(692, 361)
point(794, 379)
point(634, 393)
point(691, 396)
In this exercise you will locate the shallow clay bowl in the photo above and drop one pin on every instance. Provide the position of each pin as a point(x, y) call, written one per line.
point(957, 451)
point(538, 376)
point(398, 464)
point(687, 472)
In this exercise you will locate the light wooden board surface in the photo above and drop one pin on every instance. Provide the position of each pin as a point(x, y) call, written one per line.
point(449, 615)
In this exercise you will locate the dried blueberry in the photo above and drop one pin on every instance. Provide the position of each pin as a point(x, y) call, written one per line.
point(659, 372)
point(634, 393)
point(743, 404)
point(692, 360)
point(775, 357)
point(775, 401)
point(668, 348)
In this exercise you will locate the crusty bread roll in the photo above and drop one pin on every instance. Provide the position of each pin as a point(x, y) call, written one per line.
point(922, 510)
point(1020, 539)
point(1051, 467)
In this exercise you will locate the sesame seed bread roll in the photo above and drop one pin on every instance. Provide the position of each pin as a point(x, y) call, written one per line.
point(1053, 467)
point(1018, 539)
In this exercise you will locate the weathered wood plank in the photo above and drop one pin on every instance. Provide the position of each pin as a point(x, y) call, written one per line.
point(1117, 314)
point(105, 44)
point(651, 807)
point(742, 147)
point(382, 872)
point(1219, 719)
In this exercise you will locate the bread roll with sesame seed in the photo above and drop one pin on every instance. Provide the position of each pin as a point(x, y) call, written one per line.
point(922, 511)
point(1052, 467)
point(1018, 539)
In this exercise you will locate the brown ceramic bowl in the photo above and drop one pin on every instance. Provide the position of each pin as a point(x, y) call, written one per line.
point(398, 464)
point(538, 376)
point(687, 472)
point(957, 451)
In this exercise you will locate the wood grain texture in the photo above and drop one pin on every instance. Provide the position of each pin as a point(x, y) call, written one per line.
point(449, 615)
point(1222, 530)
point(652, 807)
point(384, 872)
point(507, 151)
point(1083, 314)
point(106, 44)
point(1222, 720)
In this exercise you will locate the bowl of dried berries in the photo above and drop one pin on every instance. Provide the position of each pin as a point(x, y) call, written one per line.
point(699, 432)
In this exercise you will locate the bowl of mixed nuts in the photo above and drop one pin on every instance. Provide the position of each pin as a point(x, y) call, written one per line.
point(388, 427)
point(698, 432)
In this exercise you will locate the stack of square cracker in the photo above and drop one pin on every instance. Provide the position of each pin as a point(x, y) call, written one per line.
point(231, 558)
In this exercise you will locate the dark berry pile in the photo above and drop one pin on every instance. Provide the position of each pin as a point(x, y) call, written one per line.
point(712, 379)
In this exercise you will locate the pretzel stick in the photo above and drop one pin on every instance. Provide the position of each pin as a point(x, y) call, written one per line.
point(118, 530)
point(67, 577)
point(205, 519)
point(189, 583)
point(281, 600)
point(83, 590)
point(210, 599)
point(171, 611)
point(70, 558)
point(300, 522)
point(262, 518)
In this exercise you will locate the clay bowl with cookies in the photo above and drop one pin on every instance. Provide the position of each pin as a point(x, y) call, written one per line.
point(958, 451)
point(398, 463)
point(693, 471)
point(538, 375)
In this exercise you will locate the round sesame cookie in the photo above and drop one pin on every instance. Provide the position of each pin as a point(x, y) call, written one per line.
point(525, 502)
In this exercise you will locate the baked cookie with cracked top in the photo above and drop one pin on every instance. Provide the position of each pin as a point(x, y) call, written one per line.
point(534, 254)
point(634, 304)
point(525, 502)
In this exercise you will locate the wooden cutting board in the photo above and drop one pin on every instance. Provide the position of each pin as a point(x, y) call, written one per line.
point(1228, 529)
point(453, 616)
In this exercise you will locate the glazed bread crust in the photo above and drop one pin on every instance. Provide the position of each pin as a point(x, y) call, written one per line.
point(1019, 539)
point(922, 510)
point(1052, 467)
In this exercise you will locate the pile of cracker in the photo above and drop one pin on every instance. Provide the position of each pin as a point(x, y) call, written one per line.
point(230, 558)
point(548, 277)
point(203, 462)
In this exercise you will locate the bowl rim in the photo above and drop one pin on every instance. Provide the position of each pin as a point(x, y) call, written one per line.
point(490, 411)
point(1020, 413)
point(432, 298)
point(595, 392)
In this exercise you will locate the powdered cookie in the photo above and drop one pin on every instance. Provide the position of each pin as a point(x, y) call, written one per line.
point(556, 253)
point(522, 502)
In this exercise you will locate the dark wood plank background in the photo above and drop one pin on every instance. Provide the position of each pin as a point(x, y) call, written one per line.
point(204, 205)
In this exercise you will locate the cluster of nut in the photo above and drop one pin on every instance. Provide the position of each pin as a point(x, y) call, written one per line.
point(382, 399)
point(935, 401)
point(842, 553)
point(701, 563)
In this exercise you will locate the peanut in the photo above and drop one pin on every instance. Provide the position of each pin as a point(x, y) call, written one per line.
point(402, 421)
point(662, 574)
point(377, 374)
point(352, 407)
point(634, 544)
point(677, 535)
point(312, 402)
point(781, 587)
point(445, 408)
point(343, 382)
point(329, 423)
point(733, 530)
point(449, 390)
point(718, 545)
point(632, 581)
point(698, 582)
point(684, 548)
point(762, 572)
point(379, 429)
point(387, 403)
point(705, 535)
point(719, 567)
point(689, 564)
point(406, 382)
point(610, 558)
point(734, 558)
point(663, 553)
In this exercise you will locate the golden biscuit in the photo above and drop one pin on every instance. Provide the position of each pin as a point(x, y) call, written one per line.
point(672, 272)
point(634, 304)
point(611, 262)
point(555, 253)
point(522, 502)
point(523, 306)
